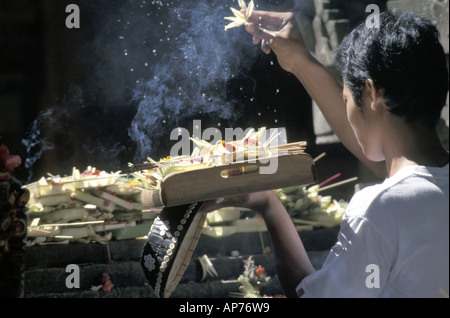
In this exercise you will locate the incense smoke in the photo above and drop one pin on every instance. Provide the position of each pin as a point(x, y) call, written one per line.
point(34, 143)
point(147, 67)
point(191, 79)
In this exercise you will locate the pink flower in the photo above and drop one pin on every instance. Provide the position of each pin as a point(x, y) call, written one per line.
point(8, 162)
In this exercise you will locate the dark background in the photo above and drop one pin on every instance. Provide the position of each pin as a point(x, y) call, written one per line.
point(110, 92)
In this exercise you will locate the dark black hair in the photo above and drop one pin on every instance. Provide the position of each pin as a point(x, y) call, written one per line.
point(404, 56)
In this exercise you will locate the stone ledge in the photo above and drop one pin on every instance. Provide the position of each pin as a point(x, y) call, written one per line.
point(129, 280)
point(55, 255)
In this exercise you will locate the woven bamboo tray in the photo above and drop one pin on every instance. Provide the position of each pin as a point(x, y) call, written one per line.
point(213, 182)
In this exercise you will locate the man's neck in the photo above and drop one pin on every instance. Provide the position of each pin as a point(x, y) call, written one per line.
point(415, 146)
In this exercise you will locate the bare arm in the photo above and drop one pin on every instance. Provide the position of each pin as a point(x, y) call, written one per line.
point(327, 93)
point(279, 32)
point(292, 262)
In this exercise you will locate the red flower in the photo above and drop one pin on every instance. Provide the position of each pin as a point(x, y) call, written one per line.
point(8, 162)
point(260, 270)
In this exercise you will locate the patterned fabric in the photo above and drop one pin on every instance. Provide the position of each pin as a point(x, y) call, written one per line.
point(169, 247)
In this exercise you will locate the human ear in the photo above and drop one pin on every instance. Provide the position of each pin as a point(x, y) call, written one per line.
point(376, 94)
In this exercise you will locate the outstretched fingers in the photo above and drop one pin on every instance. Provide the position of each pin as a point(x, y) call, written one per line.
point(260, 35)
point(265, 25)
point(273, 21)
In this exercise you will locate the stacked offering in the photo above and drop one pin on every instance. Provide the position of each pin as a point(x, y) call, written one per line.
point(96, 206)
point(84, 207)
point(306, 206)
point(255, 145)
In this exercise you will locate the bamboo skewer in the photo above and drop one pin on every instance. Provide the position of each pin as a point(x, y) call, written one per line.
point(320, 157)
point(72, 224)
point(38, 230)
point(329, 180)
point(337, 184)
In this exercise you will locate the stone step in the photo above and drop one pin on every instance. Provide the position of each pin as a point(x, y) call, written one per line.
point(129, 280)
point(45, 274)
point(209, 289)
point(117, 292)
point(61, 255)
point(53, 280)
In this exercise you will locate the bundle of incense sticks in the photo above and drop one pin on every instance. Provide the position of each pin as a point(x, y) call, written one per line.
point(291, 147)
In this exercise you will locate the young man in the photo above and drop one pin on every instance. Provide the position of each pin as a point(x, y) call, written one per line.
point(394, 237)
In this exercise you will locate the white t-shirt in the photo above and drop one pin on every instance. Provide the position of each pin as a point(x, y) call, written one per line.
point(393, 241)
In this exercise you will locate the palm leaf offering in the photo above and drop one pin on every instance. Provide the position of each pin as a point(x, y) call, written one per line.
point(257, 162)
point(253, 146)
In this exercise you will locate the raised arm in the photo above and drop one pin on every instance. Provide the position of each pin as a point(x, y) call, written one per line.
point(278, 32)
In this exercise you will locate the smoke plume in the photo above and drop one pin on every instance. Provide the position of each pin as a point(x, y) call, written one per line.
point(191, 79)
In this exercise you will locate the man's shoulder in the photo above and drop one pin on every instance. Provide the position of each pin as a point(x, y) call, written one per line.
point(411, 188)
